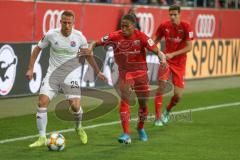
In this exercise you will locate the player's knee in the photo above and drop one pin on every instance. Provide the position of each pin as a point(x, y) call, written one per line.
point(43, 102)
point(75, 104)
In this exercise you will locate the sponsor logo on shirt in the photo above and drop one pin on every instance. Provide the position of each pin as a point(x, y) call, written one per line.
point(125, 45)
point(177, 40)
point(73, 44)
point(180, 31)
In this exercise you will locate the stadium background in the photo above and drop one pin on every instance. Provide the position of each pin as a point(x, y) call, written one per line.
point(213, 70)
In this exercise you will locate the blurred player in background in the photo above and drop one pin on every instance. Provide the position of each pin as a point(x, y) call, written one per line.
point(178, 41)
point(129, 46)
point(64, 43)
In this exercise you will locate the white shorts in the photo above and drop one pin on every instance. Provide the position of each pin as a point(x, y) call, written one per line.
point(69, 84)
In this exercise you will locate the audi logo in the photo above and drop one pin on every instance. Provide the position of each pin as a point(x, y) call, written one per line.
point(205, 25)
point(51, 20)
point(146, 22)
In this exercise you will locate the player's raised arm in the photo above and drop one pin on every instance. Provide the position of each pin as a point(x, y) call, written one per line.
point(32, 60)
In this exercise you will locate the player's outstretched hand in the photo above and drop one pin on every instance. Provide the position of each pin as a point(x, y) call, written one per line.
point(169, 56)
point(29, 74)
point(101, 76)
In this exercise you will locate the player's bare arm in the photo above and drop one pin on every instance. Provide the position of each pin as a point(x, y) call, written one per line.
point(88, 51)
point(93, 63)
point(33, 58)
point(186, 49)
point(160, 54)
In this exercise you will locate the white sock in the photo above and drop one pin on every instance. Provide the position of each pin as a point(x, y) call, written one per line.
point(42, 120)
point(78, 117)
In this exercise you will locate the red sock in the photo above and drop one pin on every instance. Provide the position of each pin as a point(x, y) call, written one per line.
point(173, 102)
point(125, 116)
point(158, 106)
point(142, 114)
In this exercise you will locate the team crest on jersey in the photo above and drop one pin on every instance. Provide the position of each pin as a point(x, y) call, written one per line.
point(137, 42)
point(73, 44)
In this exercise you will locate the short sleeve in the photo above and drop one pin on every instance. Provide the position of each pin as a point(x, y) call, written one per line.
point(84, 43)
point(160, 31)
point(105, 40)
point(148, 42)
point(44, 42)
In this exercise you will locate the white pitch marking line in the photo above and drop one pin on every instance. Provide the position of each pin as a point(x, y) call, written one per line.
point(117, 122)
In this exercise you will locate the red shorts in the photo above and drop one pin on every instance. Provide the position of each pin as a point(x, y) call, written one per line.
point(174, 72)
point(137, 80)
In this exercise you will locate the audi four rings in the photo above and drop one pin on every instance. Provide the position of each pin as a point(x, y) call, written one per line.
point(205, 25)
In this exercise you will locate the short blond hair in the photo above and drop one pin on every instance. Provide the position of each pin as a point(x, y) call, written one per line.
point(68, 13)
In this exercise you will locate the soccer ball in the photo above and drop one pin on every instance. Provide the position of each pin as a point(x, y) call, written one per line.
point(56, 142)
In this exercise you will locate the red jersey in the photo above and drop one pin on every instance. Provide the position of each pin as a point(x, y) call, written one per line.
point(129, 52)
point(175, 37)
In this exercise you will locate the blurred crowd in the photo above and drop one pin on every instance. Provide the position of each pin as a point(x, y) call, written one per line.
point(188, 3)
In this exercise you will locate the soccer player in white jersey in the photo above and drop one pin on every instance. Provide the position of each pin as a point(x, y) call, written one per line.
point(64, 43)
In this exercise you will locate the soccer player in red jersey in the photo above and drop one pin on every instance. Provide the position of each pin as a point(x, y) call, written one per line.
point(129, 46)
point(178, 41)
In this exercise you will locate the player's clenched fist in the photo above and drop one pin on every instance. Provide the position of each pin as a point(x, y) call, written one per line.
point(29, 74)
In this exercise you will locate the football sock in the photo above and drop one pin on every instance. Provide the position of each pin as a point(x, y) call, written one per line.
point(158, 106)
point(172, 103)
point(142, 114)
point(125, 116)
point(78, 117)
point(42, 120)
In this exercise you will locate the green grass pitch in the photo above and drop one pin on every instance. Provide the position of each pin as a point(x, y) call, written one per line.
point(212, 134)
